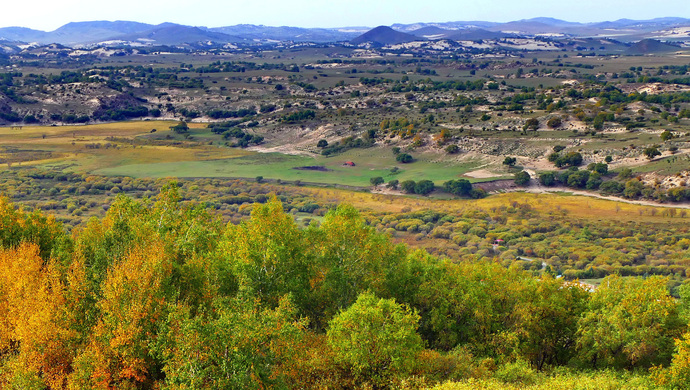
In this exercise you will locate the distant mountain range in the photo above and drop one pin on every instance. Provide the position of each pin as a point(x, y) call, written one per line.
point(125, 32)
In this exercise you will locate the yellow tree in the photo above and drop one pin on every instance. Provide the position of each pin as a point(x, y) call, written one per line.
point(136, 296)
point(34, 341)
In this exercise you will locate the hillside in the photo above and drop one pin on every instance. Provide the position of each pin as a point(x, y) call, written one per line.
point(651, 46)
point(87, 32)
point(173, 34)
point(383, 36)
point(285, 33)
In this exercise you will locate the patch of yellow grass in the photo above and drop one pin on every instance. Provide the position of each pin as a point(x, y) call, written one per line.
point(566, 205)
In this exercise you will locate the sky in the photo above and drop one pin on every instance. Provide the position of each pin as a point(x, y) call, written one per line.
point(48, 15)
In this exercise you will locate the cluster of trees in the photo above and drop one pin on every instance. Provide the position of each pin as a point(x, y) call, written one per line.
point(347, 143)
point(224, 114)
point(590, 179)
point(160, 295)
point(299, 116)
point(243, 139)
point(570, 159)
point(422, 187)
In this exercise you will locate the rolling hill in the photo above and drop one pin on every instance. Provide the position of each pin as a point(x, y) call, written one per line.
point(175, 34)
point(383, 36)
point(651, 46)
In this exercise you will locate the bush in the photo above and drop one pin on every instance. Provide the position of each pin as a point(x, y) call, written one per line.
point(452, 149)
point(517, 372)
point(554, 123)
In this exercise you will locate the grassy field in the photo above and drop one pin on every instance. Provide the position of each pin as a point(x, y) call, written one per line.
point(130, 149)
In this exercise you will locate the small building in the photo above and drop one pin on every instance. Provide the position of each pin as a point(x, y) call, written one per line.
point(349, 164)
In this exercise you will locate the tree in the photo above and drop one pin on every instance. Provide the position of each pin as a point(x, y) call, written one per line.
point(135, 296)
point(531, 124)
point(375, 340)
point(666, 135)
point(572, 159)
point(235, 344)
point(630, 322)
point(375, 181)
point(510, 161)
point(424, 187)
point(549, 316)
point(268, 255)
point(599, 168)
point(461, 187)
point(393, 184)
point(651, 152)
point(408, 186)
point(404, 158)
point(547, 178)
point(633, 188)
point(522, 178)
point(322, 143)
point(180, 128)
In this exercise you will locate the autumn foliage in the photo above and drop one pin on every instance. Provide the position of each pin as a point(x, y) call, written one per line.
point(161, 296)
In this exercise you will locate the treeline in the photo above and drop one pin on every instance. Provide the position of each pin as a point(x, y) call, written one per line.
point(157, 295)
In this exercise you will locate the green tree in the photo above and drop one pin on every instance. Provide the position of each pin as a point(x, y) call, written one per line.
point(269, 256)
point(633, 188)
point(531, 124)
point(424, 187)
point(408, 186)
point(375, 340)
point(350, 257)
point(510, 161)
point(460, 187)
point(549, 317)
point(235, 344)
point(522, 178)
point(666, 135)
point(375, 181)
point(599, 168)
point(180, 128)
point(404, 158)
point(547, 178)
point(630, 322)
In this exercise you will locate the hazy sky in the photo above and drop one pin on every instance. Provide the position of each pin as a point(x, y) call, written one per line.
point(51, 14)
